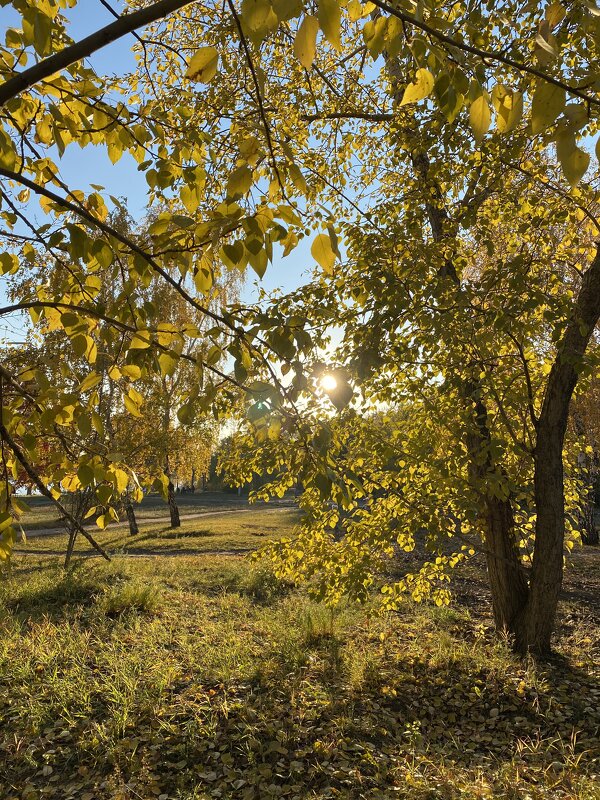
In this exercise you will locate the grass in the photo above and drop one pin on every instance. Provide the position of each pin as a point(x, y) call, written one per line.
point(42, 514)
point(201, 676)
point(239, 531)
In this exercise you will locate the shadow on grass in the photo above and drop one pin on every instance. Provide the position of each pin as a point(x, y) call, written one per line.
point(54, 599)
point(410, 728)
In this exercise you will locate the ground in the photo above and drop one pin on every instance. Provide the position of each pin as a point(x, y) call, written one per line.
point(183, 670)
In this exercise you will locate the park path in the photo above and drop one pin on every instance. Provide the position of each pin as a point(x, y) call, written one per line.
point(138, 552)
point(150, 520)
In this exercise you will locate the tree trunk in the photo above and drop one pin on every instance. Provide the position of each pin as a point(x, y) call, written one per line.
point(129, 510)
point(173, 510)
point(508, 582)
point(526, 612)
point(535, 625)
point(507, 577)
point(590, 534)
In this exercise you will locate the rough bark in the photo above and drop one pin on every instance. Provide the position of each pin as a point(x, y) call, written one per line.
point(173, 509)
point(535, 625)
point(507, 578)
point(129, 510)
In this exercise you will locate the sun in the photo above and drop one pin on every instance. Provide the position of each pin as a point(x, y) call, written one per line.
point(328, 382)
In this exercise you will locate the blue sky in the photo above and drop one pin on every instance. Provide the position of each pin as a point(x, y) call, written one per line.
point(81, 167)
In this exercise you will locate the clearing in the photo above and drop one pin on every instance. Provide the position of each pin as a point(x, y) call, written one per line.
point(202, 676)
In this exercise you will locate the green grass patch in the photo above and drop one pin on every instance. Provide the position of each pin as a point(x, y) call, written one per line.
point(202, 676)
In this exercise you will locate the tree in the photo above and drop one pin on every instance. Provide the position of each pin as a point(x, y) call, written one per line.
point(382, 158)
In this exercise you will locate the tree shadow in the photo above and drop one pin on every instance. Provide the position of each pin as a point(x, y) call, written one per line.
point(308, 726)
point(54, 600)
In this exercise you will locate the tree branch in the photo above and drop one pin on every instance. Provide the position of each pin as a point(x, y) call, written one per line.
point(20, 456)
point(484, 54)
point(79, 50)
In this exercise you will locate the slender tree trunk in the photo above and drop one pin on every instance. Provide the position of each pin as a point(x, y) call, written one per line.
point(173, 509)
point(129, 510)
point(71, 544)
point(508, 582)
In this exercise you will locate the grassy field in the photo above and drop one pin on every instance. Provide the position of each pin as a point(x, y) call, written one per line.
point(180, 672)
point(43, 514)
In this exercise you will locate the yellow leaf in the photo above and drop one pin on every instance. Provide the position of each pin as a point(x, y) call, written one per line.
point(573, 161)
point(322, 251)
point(547, 103)
point(555, 13)
point(167, 363)
point(480, 117)
point(508, 107)
point(140, 340)
point(121, 480)
point(203, 66)
point(255, 13)
point(132, 406)
point(297, 178)
point(419, 89)
point(239, 181)
point(131, 371)
point(305, 43)
point(356, 10)
point(91, 380)
point(103, 521)
point(330, 18)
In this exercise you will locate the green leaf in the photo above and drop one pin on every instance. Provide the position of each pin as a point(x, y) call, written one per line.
point(322, 251)
point(305, 43)
point(547, 103)
point(85, 474)
point(420, 88)
point(84, 424)
point(480, 117)
point(203, 66)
